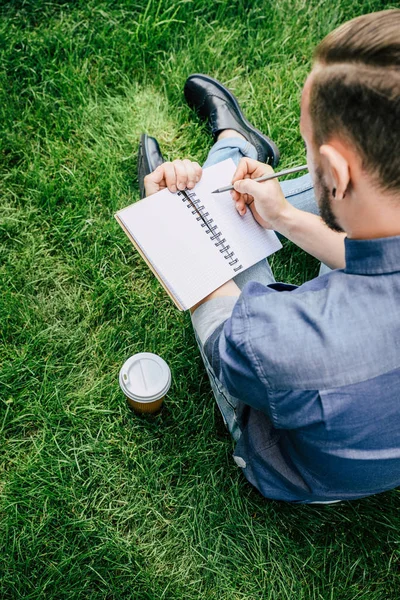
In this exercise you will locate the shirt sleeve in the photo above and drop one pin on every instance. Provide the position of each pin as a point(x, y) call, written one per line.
point(231, 355)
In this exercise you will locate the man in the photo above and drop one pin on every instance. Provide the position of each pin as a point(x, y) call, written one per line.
point(308, 378)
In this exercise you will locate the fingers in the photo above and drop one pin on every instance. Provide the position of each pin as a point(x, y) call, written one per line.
point(198, 171)
point(247, 187)
point(170, 176)
point(245, 192)
point(247, 170)
point(250, 168)
point(156, 176)
point(153, 181)
point(191, 176)
point(241, 201)
point(179, 175)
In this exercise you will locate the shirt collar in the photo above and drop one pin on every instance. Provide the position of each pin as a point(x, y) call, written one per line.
point(372, 257)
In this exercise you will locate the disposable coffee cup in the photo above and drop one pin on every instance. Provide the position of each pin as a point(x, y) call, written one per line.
point(145, 379)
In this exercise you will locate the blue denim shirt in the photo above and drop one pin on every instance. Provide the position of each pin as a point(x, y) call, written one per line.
point(318, 369)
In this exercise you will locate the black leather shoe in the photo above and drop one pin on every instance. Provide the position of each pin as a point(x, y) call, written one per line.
point(149, 158)
point(215, 103)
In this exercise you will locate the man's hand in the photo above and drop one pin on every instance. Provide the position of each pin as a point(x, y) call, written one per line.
point(176, 175)
point(265, 199)
point(227, 289)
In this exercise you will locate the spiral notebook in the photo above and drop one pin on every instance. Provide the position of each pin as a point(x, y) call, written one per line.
point(194, 241)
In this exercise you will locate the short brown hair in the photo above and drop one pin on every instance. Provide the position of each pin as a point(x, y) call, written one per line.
point(355, 92)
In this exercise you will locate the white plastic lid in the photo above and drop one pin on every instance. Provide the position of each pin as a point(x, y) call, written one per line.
point(145, 377)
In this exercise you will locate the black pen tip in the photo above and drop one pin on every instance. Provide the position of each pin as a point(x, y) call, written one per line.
point(215, 192)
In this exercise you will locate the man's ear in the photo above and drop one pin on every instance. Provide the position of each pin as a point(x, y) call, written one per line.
point(337, 170)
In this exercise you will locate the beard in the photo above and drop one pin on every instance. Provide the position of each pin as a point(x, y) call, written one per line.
point(325, 203)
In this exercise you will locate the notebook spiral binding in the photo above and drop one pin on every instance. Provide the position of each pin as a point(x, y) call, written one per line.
point(211, 228)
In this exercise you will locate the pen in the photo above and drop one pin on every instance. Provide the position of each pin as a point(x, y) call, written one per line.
point(265, 177)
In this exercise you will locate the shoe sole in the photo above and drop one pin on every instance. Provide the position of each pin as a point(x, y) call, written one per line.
point(239, 113)
point(142, 152)
point(142, 164)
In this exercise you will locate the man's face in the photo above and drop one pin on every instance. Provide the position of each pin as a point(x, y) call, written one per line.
point(322, 191)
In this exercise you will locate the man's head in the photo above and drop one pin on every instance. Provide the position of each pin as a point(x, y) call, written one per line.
point(351, 110)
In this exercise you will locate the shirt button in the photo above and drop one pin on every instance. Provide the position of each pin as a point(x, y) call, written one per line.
point(240, 462)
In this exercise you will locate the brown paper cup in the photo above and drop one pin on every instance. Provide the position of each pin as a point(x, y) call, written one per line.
point(145, 407)
point(145, 379)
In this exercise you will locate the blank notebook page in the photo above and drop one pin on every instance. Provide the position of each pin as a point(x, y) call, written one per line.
point(191, 257)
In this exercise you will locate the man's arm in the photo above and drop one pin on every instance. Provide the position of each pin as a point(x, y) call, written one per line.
point(179, 175)
point(227, 289)
point(310, 233)
point(307, 231)
point(272, 211)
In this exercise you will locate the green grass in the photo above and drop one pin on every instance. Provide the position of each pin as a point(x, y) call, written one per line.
point(95, 502)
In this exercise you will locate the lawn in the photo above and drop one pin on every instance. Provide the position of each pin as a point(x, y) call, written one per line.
point(95, 502)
